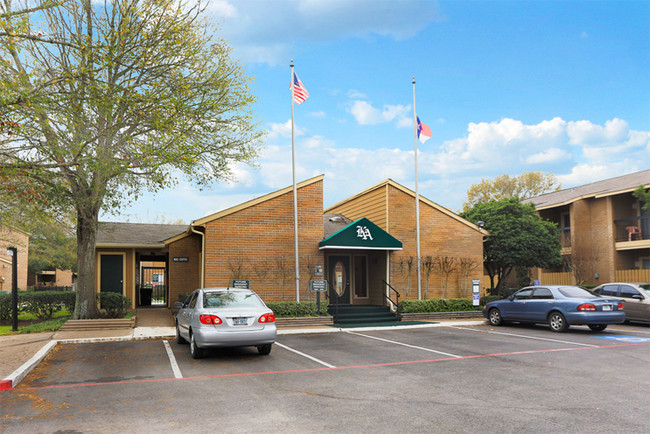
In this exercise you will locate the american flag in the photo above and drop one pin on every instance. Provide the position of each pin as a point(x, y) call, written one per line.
point(299, 92)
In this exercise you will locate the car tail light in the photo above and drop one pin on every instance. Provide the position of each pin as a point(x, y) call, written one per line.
point(587, 306)
point(620, 306)
point(210, 319)
point(267, 317)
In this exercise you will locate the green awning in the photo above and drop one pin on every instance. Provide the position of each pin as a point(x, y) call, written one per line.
point(362, 235)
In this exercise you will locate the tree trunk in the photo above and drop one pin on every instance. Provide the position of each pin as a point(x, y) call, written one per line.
point(86, 305)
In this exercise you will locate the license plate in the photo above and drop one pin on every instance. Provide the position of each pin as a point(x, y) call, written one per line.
point(239, 321)
point(607, 307)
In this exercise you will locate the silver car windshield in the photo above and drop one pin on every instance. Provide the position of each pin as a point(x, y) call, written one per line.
point(575, 292)
point(645, 287)
point(231, 299)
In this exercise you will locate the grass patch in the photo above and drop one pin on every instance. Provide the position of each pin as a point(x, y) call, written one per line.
point(35, 327)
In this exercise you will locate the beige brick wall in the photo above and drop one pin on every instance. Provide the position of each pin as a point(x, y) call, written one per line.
point(257, 243)
point(20, 240)
point(440, 236)
point(184, 277)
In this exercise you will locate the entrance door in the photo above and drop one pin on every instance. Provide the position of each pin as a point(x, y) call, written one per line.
point(112, 273)
point(339, 279)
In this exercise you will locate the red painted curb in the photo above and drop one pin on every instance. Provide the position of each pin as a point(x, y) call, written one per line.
point(6, 385)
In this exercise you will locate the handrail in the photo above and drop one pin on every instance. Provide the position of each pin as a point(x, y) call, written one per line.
point(395, 303)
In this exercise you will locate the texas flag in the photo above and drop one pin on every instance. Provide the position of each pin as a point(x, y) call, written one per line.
point(424, 132)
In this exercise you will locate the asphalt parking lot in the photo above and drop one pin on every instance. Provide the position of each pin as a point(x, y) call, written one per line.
point(443, 379)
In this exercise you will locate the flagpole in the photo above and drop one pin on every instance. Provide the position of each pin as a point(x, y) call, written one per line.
point(417, 194)
point(295, 192)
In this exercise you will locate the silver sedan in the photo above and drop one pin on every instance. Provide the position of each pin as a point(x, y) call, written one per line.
point(225, 317)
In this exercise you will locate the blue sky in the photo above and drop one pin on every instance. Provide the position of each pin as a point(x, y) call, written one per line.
point(506, 86)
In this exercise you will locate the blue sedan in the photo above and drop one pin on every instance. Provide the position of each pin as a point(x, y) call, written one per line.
point(557, 306)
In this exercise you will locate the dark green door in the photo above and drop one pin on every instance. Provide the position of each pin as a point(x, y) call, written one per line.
point(339, 279)
point(112, 273)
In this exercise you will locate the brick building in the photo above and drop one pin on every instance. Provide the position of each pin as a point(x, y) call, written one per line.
point(359, 245)
point(13, 237)
point(605, 231)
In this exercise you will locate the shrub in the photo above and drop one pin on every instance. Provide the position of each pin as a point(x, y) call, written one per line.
point(288, 309)
point(488, 298)
point(436, 305)
point(5, 307)
point(41, 304)
point(115, 304)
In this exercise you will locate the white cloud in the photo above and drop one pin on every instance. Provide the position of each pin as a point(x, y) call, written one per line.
point(283, 130)
point(366, 114)
point(268, 31)
point(549, 156)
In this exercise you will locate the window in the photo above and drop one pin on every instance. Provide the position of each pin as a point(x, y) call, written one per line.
point(628, 291)
point(524, 294)
point(192, 302)
point(565, 220)
point(231, 299)
point(542, 294)
point(575, 292)
point(609, 290)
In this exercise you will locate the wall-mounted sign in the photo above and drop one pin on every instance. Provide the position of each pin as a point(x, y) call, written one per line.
point(180, 259)
point(318, 271)
point(241, 284)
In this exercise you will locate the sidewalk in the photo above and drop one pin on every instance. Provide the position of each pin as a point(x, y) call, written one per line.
point(19, 354)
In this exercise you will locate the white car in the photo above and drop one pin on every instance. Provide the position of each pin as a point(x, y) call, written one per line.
point(225, 317)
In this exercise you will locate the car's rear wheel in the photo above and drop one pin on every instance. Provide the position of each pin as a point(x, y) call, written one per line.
point(195, 351)
point(557, 322)
point(264, 350)
point(179, 339)
point(495, 317)
point(598, 327)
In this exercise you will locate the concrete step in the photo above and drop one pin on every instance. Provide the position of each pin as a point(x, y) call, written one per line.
point(98, 324)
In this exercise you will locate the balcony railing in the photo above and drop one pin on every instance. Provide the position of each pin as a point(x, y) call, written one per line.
point(633, 229)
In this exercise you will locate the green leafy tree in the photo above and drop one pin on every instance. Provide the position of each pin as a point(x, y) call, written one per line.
point(52, 244)
point(529, 184)
point(518, 238)
point(110, 98)
point(644, 196)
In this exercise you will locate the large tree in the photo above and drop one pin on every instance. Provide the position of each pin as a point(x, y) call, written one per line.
point(518, 237)
point(112, 98)
point(528, 184)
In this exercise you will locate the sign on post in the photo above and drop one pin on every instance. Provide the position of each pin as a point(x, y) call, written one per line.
point(241, 284)
point(476, 292)
point(318, 285)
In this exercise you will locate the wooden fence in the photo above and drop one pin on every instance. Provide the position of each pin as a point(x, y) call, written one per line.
point(567, 278)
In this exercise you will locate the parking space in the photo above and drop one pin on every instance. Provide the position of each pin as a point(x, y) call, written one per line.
point(439, 379)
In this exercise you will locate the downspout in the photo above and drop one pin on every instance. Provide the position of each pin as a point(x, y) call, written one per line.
point(202, 272)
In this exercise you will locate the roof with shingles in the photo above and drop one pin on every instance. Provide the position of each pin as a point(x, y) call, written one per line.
point(606, 187)
point(137, 234)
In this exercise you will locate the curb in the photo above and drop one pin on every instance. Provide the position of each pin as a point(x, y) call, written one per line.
point(19, 374)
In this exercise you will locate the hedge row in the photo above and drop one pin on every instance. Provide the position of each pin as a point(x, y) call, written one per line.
point(44, 304)
point(436, 305)
point(290, 309)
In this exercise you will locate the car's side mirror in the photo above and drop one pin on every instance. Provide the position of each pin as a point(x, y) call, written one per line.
point(178, 305)
point(637, 297)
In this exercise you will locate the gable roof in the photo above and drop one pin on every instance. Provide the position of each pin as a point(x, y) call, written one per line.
point(411, 193)
point(606, 187)
point(254, 202)
point(112, 234)
point(362, 235)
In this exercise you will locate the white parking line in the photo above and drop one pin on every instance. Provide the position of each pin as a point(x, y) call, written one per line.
point(172, 360)
point(405, 345)
point(527, 337)
point(305, 355)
